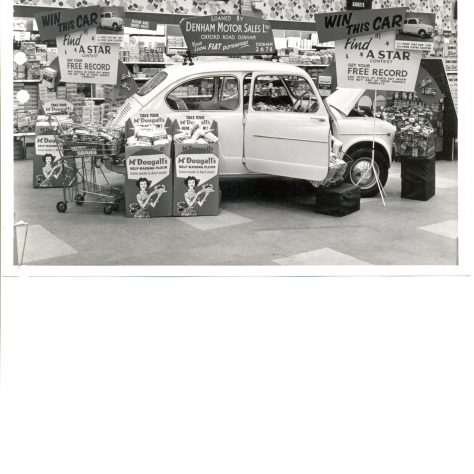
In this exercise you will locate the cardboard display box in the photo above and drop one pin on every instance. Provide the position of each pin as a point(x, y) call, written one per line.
point(148, 184)
point(338, 201)
point(418, 179)
point(196, 173)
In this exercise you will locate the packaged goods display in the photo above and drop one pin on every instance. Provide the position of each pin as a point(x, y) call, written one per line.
point(142, 51)
point(419, 126)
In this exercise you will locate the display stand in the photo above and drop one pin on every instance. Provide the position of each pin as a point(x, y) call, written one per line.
point(196, 171)
point(372, 167)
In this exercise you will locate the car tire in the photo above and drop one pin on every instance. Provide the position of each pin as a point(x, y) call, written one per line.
point(115, 26)
point(358, 164)
point(422, 33)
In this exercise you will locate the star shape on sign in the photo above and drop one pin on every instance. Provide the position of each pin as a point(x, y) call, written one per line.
point(92, 38)
point(361, 54)
point(387, 43)
point(347, 56)
point(75, 50)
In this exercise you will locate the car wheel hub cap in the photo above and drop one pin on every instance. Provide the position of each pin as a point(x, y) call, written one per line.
point(362, 174)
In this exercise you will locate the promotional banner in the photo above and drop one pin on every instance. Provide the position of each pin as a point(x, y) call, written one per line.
point(52, 24)
point(82, 60)
point(111, 23)
point(228, 35)
point(372, 62)
point(186, 123)
point(343, 25)
point(417, 33)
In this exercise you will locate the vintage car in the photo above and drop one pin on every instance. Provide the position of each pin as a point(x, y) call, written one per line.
point(271, 119)
point(415, 26)
point(111, 21)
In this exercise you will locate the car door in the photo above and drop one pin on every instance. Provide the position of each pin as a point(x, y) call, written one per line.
point(219, 97)
point(280, 138)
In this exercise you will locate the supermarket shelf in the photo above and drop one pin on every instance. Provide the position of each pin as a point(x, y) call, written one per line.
point(451, 72)
point(27, 81)
point(24, 134)
point(148, 63)
point(305, 65)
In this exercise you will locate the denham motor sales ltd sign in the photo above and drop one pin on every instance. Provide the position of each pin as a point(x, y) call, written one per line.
point(228, 35)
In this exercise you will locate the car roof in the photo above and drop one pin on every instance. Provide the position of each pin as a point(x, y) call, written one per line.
point(178, 71)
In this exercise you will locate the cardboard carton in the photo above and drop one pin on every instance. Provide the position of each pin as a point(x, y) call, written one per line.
point(148, 184)
point(196, 171)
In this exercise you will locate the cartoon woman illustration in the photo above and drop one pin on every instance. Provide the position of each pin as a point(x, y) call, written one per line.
point(189, 206)
point(50, 172)
point(144, 199)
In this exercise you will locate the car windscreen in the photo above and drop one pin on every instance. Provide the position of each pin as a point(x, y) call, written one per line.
point(152, 83)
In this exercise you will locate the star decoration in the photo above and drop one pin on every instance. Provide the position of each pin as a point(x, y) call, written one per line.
point(387, 43)
point(361, 54)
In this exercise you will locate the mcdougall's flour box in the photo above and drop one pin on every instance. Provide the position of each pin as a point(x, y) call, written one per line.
point(148, 184)
point(196, 168)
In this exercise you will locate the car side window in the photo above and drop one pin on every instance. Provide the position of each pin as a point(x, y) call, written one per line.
point(284, 94)
point(206, 93)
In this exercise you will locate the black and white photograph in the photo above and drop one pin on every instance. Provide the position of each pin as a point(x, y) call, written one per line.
point(237, 237)
point(418, 31)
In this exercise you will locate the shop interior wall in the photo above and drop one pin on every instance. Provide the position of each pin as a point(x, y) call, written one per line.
point(282, 10)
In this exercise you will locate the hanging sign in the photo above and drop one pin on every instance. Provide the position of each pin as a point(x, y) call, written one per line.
point(56, 23)
point(228, 35)
point(372, 62)
point(359, 4)
point(61, 107)
point(83, 60)
point(427, 88)
point(140, 24)
point(343, 25)
point(417, 33)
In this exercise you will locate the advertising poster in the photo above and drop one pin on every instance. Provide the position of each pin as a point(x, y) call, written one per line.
point(187, 122)
point(140, 24)
point(359, 4)
point(196, 184)
point(111, 24)
point(83, 60)
point(350, 24)
point(52, 24)
point(148, 183)
point(227, 35)
point(372, 62)
point(47, 167)
point(417, 33)
point(427, 88)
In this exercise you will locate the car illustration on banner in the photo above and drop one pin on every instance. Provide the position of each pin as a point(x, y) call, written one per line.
point(416, 26)
point(272, 120)
point(111, 21)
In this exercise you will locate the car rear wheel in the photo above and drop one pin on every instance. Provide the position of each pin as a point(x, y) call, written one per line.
point(422, 33)
point(115, 26)
point(360, 174)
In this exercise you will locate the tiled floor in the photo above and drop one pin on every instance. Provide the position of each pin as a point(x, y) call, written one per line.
point(264, 221)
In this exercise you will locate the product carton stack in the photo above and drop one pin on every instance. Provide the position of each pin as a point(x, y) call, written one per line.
point(148, 184)
point(196, 167)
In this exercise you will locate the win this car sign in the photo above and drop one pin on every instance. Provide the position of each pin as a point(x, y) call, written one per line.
point(227, 35)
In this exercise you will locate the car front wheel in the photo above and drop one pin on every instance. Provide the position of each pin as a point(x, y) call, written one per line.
point(360, 173)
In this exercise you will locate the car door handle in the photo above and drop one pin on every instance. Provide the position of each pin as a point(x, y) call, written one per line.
point(318, 119)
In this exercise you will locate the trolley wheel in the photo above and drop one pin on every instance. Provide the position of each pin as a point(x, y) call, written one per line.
point(115, 206)
point(61, 206)
point(79, 199)
point(108, 209)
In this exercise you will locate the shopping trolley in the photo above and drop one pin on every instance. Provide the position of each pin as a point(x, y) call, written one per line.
point(83, 150)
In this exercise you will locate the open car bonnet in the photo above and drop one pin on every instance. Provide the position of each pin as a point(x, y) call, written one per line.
point(345, 100)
